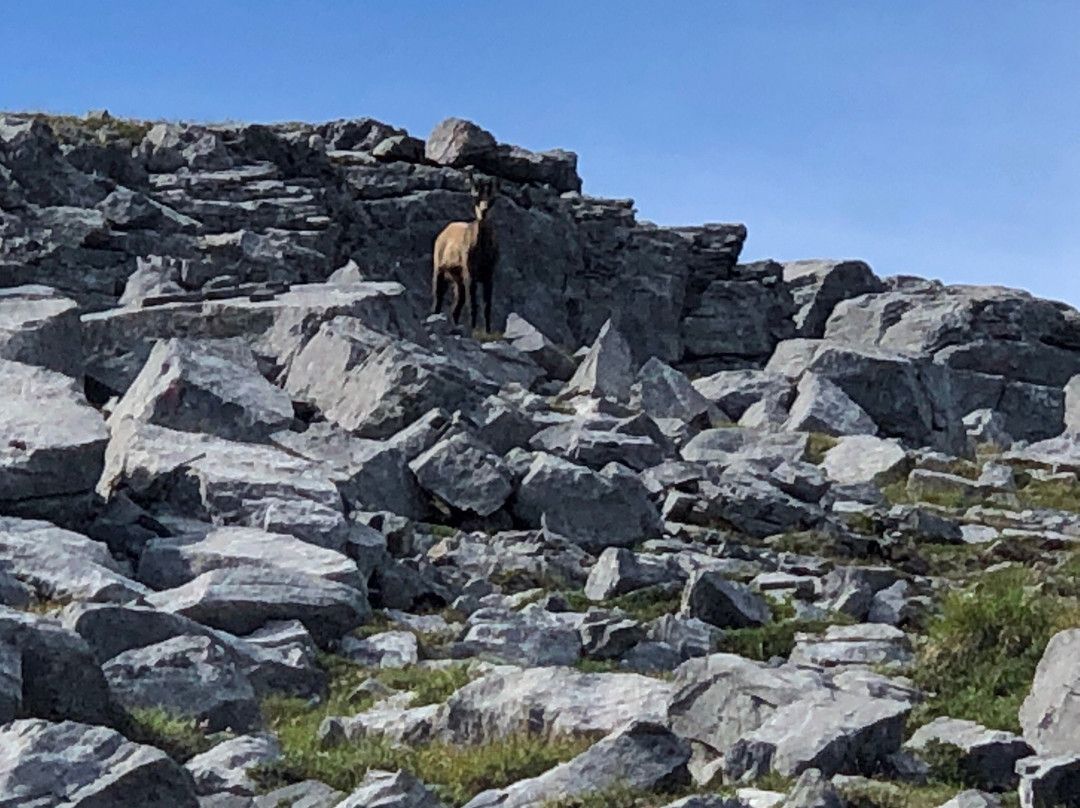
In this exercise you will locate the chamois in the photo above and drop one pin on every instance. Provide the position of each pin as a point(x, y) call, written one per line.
point(465, 256)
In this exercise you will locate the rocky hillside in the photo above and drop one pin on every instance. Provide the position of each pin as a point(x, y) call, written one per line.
point(684, 532)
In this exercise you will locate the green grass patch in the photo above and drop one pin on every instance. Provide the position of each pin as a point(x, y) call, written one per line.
point(879, 794)
point(645, 604)
point(767, 641)
point(981, 651)
point(817, 445)
point(1058, 495)
point(179, 738)
point(457, 773)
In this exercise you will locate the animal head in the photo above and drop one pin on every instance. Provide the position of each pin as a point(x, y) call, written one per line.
point(483, 193)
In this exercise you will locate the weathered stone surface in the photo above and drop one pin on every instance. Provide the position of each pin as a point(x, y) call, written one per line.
point(49, 765)
point(60, 565)
point(1049, 781)
point(224, 768)
point(595, 510)
point(664, 392)
point(864, 459)
point(607, 369)
point(388, 649)
point(734, 391)
point(868, 645)
point(190, 676)
point(531, 636)
point(382, 789)
point(54, 443)
point(172, 562)
point(618, 571)
point(813, 790)
point(817, 286)
point(242, 600)
point(552, 702)
point(987, 758)
point(40, 327)
point(821, 406)
point(641, 755)
point(972, 798)
point(1049, 714)
point(712, 598)
point(306, 794)
point(10, 682)
point(208, 386)
point(464, 473)
point(528, 339)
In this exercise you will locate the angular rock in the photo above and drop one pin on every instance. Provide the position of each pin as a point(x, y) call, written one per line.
point(465, 474)
point(382, 789)
point(813, 790)
point(459, 143)
point(528, 339)
point(734, 391)
point(717, 601)
point(1051, 710)
point(972, 799)
point(595, 510)
point(821, 406)
point(532, 636)
point(987, 427)
point(67, 764)
point(39, 327)
point(11, 683)
point(618, 571)
point(641, 755)
point(869, 645)
point(609, 637)
point(1049, 782)
point(242, 600)
point(224, 768)
point(54, 444)
point(817, 286)
point(987, 758)
point(208, 386)
point(188, 676)
point(306, 794)
point(864, 458)
point(551, 702)
point(173, 562)
point(664, 392)
point(388, 649)
point(607, 370)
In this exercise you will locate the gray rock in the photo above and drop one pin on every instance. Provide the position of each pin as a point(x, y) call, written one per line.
point(528, 339)
point(734, 391)
point(712, 598)
point(618, 571)
point(552, 702)
point(54, 441)
point(532, 636)
point(972, 799)
point(306, 794)
point(465, 474)
point(641, 755)
point(689, 636)
point(60, 678)
point(208, 386)
point(57, 564)
point(813, 790)
point(987, 427)
point(740, 321)
point(242, 600)
point(664, 392)
point(867, 645)
point(173, 562)
point(1049, 714)
point(835, 731)
point(385, 721)
point(817, 286)
point(224, 768)
point(864, 458)
point(40, 327)
point(595, 510)
point(388, 649)
point(188, 676)
point(111, 629)
point(11, 683)
point(49, 765)
point(382, 789)
point(987, 758)
point(1049, 781)
point(821, 406)
point(609, 637)
point(607, 370)
point(459, 143)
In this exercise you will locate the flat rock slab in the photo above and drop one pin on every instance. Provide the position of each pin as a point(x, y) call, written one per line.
point(224, 768)
point(172, 562)
point(40, 327)
point(54, 441)
point(241, 601)
point(1050, 713)
point(67, 764)
point(464, 473)
point(870, 645)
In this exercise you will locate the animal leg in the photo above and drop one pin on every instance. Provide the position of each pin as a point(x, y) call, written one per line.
point(459, 299)
point(487, 305)
point(438, 292)
point(472, 303)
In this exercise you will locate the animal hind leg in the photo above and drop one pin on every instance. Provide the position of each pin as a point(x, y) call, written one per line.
point(473, 303)
point(459, 299)
point(487, 305)
point(438, 292)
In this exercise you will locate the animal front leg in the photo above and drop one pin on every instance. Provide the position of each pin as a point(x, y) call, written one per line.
point(438, 292)
point(460, 294)
point(473, 303)
point(487, 304)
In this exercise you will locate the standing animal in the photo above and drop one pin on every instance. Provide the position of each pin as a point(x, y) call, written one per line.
point(465, 256)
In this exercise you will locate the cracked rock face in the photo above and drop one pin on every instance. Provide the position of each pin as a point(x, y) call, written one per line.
point(681, 519)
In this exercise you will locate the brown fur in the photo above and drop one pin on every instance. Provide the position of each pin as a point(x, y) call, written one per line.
point(465, 256)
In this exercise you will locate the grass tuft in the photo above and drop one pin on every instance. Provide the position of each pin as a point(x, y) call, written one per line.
point(179, 738)
point(817, 445)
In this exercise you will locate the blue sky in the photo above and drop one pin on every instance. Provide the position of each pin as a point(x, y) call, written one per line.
point(930, 138)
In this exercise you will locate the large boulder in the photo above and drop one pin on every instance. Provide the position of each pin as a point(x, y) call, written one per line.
point(607, 371)
point(551, 701)
point(189, 676)
point(1051, 710)
point(986, 758)
point(821, 406)
point(208, 386)
point(381, 789)
point(710, 597)
point(593, 509)
point(465, 474)
point(49, 765)
point(817, 286)
point(223, 769)
point(242, 600)
point(40, 327)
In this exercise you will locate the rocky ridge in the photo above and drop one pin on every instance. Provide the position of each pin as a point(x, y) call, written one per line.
point(686, 531)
